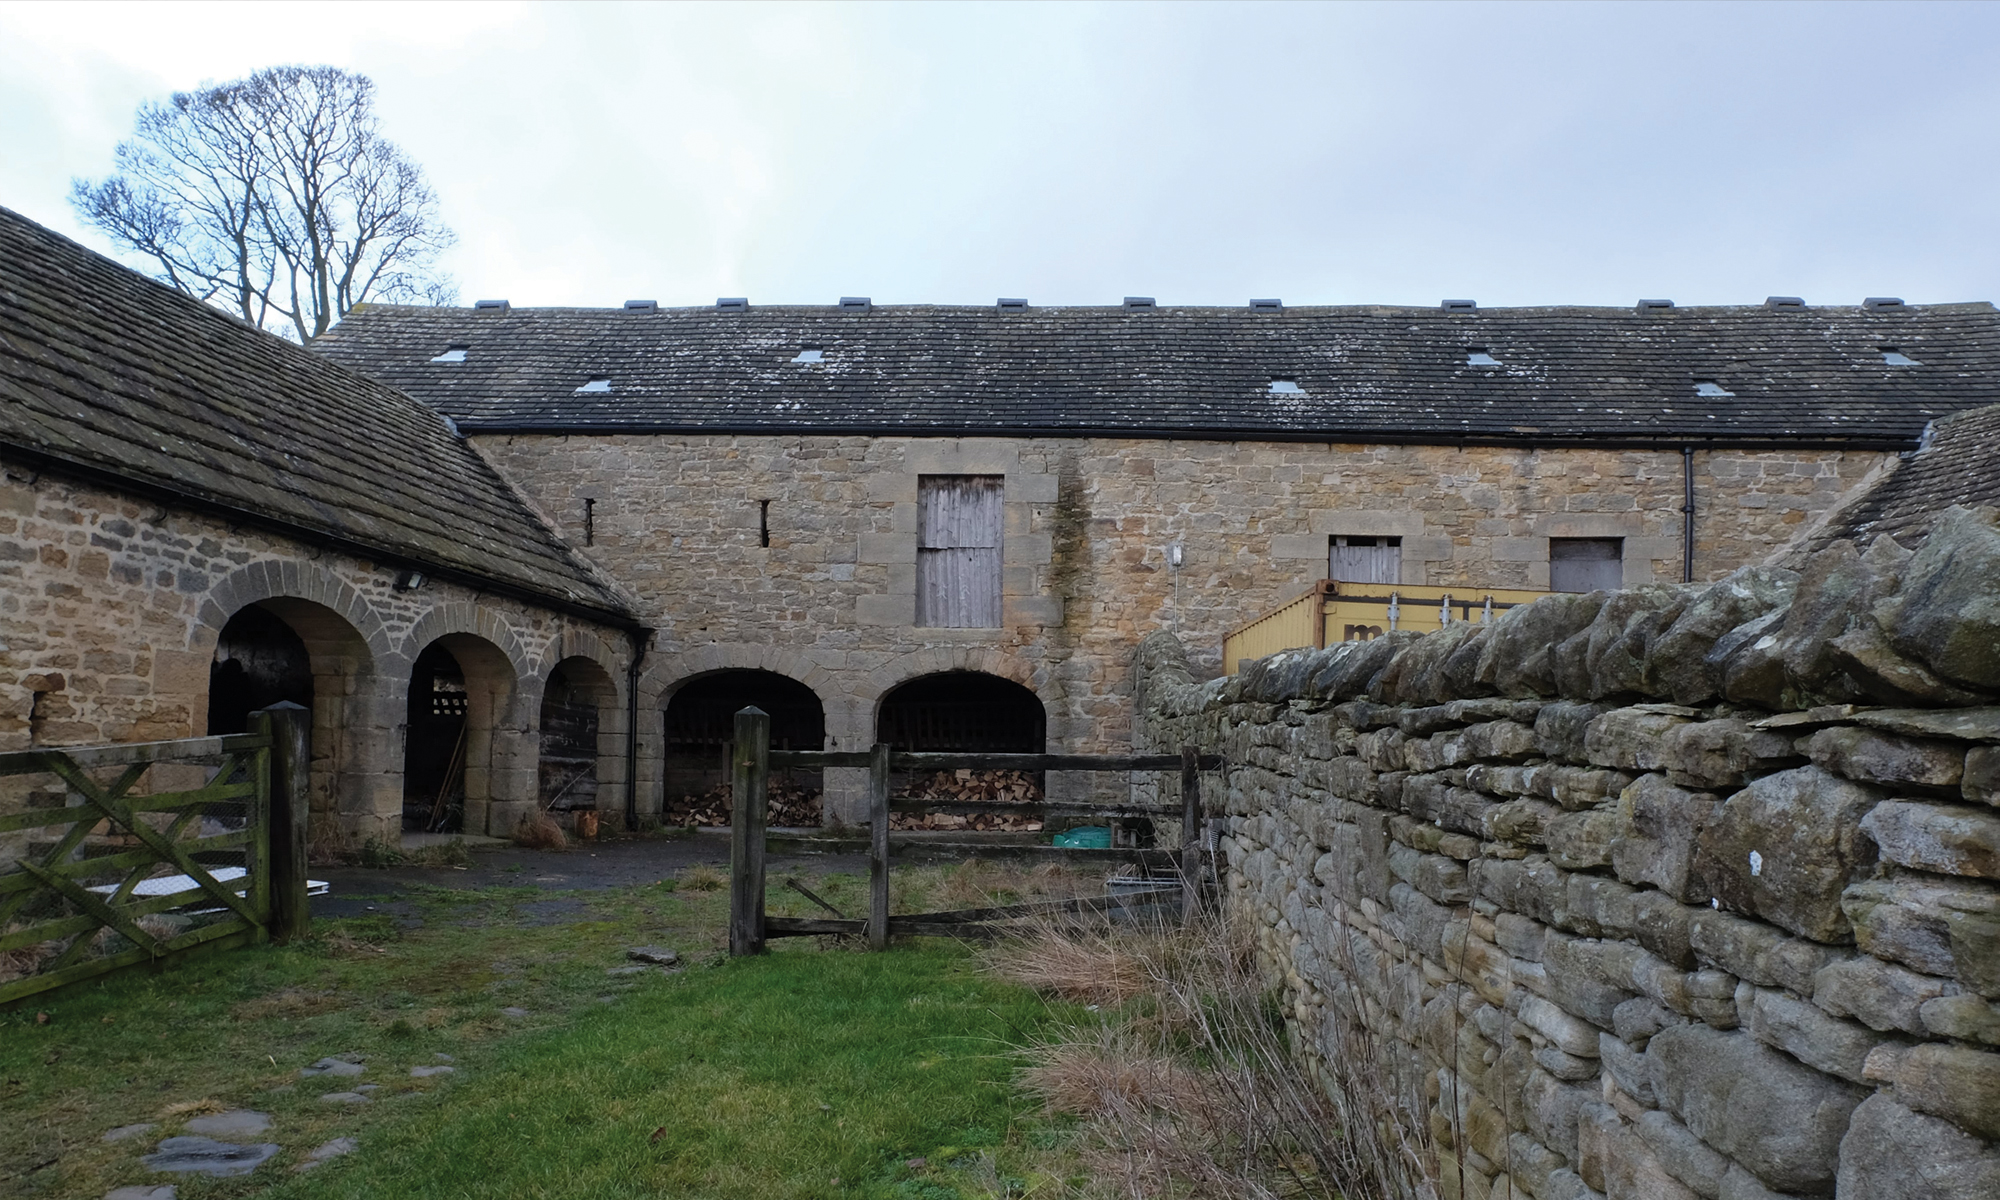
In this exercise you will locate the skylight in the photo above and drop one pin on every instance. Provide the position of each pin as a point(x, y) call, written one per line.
point(810, 354)
point(1708, 387)
point(596, 385)
point(1896, 358)
point(1285, 387)
point(453, 354)
point(1480, 358)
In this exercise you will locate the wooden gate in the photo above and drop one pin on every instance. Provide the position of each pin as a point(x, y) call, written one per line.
point(752, 759)
point(139, 853)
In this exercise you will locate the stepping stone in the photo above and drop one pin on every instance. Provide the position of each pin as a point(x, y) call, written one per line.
point(333, 1066)
point(366, 1088)
point(141, 1191)
point(344, 1098)
point(659, 956)
point(634, 969)
point(241, 1123)
point(441, 1056)
point(130, 1131)
point(332, 1149)
point(206, 1156)
point(427, 1072)
point(515, 1013)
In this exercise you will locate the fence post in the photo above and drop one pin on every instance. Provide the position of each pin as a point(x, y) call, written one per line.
point(290, 727)
point(749, 770)
point(878, 847)
point(1190, 832)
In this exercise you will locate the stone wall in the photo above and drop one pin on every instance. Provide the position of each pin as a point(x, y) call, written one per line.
point(829, 601)
point(1674, 892)
point(111, 607)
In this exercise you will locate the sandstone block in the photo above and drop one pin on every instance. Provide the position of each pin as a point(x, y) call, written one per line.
point(1569, 1034)
point(1948, 927)
point(1724, 753)
point(1550, 1109)
point(1685, 1156)
point(1662, 926)
point(1981, 781)
point(1638, 1019)
point(1892, 1153)
point(1748, 661)
point(1781, 1120)
point(1784, 847)
point(1597, 907)
point(1872, 757)
point(1677, 663)
point(1808, 1034)
point(1947, 838)
point(1580, 841)
point(1965, 1017)
point(1957, 1083)
point(1948, 614)
point(1561, 728)
point(1755, 951)
point(1657, 845)
point(1880, 995)
point(1633, 739)
point(1627, 1068)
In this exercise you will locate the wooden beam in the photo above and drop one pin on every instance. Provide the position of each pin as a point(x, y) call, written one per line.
point(878, 847)
point(289, 727)
point(948, 760)
point(1191, 821)
point(750, 770)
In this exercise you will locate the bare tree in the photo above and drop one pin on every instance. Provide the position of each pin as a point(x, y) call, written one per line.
point(275, 197)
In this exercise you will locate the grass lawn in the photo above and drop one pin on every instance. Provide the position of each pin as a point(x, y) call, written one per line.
point(817, 1070)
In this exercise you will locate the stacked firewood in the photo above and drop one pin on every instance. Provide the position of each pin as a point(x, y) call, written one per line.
point(790, 804)
point(970, 787)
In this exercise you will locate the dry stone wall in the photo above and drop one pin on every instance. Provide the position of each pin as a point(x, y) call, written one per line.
point(1671, 892)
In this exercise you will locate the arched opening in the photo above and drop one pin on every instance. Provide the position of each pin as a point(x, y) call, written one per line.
point(701, 723)
point(287, 649)
point(459, 687)
point(965, 710)
point(573, 725)
point(259, 661)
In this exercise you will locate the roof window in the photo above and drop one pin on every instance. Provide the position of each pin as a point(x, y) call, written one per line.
point(1285, 387)
point(1708, 387)
point(1267, 305)
point(1139, 302)
point(1460, 306)
point(732, 303)
point(595, 385)
point(1006, 304)
point(855, 302)
point(494, 305)
point(811, 354)
point(1784, 302)
point(1645, 304)
point(1882, 302)
point(1896, 358)
point(1478, 357)
point(455, 353)
point(642, 306)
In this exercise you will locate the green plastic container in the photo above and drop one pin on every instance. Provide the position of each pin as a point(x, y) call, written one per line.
point(1085, 837)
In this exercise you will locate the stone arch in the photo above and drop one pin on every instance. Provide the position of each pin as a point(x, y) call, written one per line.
point(581, 724)
point(493, 772)
point(1037, 677)
point(345, 645)
point(665, 674)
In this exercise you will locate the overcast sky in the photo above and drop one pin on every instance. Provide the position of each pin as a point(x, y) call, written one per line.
point(1075, 154)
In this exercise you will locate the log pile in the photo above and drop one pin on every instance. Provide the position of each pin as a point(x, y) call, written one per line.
point(790, 805)
point(970, 787)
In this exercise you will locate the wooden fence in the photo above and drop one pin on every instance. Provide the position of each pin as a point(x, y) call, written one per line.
point(133, 866)
point(751, 763)
point(1335, 611)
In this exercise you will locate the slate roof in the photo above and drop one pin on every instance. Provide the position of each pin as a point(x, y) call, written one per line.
point(105, 371)
point(1959, 464)
point(1566, 375)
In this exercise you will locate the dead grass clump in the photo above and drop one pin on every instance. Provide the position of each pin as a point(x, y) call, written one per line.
point(702, 877)
point(191, 1108)
point(539, 831)
point(1190, 1084)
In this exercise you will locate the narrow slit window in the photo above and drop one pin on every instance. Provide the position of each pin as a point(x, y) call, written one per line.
point(1364, 559)
point(764, 524)
point(452, 354)
point(1586, 564)
point(958, 551)
point(596, 385)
